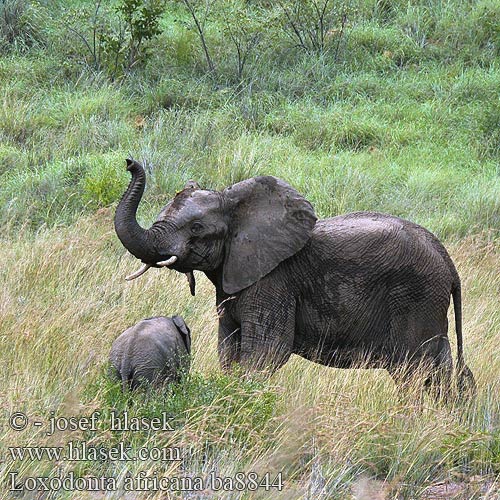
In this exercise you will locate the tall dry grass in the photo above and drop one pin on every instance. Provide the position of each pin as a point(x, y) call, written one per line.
point(333, 433)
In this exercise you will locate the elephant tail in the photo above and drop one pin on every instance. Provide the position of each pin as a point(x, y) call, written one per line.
point(125, 384)
point(456, 293)
point(127, 377)
point(465, 378)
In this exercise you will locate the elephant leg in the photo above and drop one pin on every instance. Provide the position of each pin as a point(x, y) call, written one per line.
point(439, 381)
point(263, 350)
point(429, 369)
point(421, 358)
point(229, 341)
point(404, 359)
point(408, 381)
point(267, 333)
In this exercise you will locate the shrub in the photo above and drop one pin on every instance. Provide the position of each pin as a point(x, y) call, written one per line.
point(313, 24)
point(102, 183)
point(388, 46)
point(200, 13)
point(490, 129)
point(20, 25)
point(115, 46)
point(244, 28)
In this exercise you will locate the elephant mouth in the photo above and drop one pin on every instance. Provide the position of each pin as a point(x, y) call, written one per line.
point(163, 263)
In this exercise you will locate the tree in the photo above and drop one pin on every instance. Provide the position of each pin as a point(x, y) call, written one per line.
point(310, 24)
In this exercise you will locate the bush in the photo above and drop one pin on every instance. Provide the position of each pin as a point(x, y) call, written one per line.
point(486, 25)
point(20, 25)
point(315, 25)
point(103, 182)
point(114, 46)
point(387, 46)
point(489, 127)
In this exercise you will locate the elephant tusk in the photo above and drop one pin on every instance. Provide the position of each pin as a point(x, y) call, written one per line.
point(138, 273)
point(145, 267)
point(167, 262)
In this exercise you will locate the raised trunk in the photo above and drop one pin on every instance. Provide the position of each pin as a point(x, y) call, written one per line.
point(137, 240)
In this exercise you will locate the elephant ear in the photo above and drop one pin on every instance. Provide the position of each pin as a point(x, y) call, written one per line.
point(269, 222)
point(192, 185)
point(184, 331)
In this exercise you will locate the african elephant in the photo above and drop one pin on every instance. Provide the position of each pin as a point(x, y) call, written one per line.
point(364, 287)
point(154, 350)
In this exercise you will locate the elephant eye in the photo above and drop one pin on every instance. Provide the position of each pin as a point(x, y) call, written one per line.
point(196, 227)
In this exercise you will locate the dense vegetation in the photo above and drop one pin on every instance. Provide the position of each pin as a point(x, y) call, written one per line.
point(365, 105)
point(398, 112)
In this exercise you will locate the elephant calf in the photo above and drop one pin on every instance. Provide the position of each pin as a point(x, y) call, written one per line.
point(154, 350)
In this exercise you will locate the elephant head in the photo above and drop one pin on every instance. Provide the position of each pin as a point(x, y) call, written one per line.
point(244, 231)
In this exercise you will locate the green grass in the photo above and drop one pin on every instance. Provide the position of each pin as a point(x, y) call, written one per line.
point(402, 117)
point(422, 144)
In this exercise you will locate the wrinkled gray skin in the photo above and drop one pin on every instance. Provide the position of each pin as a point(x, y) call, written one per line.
point(362, 286)
point(155, 350)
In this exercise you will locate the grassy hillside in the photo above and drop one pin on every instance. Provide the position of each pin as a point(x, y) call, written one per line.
point(397, 111)
point(398, 115)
